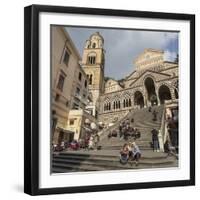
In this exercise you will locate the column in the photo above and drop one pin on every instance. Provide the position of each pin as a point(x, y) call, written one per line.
point(158, 99)
point(145, 101)
point(161, 143)
point(172, 94)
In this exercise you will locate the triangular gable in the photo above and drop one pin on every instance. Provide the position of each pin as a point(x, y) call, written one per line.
point(147, 58)
point(112, 82)
point(131, 75)
point(149, 52)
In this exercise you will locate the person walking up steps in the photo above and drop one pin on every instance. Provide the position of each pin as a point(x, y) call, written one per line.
point(154, 115)
point(155, 141)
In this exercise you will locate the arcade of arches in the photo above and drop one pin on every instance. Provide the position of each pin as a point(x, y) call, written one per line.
point(152, 95)
point(151, 92)
point(139, 99)
point(164, 93)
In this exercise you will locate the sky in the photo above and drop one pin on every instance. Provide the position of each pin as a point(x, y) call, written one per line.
point(123, 46)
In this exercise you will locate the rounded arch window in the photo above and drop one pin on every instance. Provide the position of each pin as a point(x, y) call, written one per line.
point(91, 58)
point(94, 45)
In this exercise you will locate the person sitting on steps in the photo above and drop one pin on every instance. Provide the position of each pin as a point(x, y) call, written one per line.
point(136, 153)
point(124, 154)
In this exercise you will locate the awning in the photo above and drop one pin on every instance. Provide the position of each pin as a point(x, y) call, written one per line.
point(64, 130)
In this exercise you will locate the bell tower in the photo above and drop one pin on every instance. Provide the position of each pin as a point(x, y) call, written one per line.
point(93, 65)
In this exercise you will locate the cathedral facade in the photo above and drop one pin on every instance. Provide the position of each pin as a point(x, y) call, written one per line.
point(152, 82)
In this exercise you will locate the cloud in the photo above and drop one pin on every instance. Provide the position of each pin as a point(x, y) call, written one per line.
point(123, 46)
point(170, 56)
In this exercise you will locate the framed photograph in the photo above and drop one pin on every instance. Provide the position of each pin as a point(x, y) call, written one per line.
point(109, 100)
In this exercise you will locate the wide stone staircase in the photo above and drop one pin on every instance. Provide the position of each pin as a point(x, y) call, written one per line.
point(108, 157)
point(143, 121)
point(73, 161)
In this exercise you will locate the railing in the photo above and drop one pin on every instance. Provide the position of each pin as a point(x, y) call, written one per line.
point(113, 127)
point(116, 125)
point(163, 130)
point(168, 104)
point(161, 134)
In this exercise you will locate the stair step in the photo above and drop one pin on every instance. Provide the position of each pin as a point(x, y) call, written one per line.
point(68, 165)
point(106, 163)
point(108, 157)
point(97, 158)
point(142, 120)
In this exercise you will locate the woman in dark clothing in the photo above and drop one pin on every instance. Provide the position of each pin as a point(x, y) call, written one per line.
point(155, 141)
point(154, 115)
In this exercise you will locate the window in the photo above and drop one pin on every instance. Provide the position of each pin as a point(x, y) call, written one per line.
point(107, 106)
point(85, 83)
point(61, 82)
point(71, 122)
point(54, 123)
point(79, 76)
point(91, 60)
point(90, 80)
point(114, 105)
point(96, 114)
point(77, 90)
point(66, 57)
point(129, 102)
point(126, 102)
point(57, 97)
point(75, 106)
point(94, 45)
point(117, 104)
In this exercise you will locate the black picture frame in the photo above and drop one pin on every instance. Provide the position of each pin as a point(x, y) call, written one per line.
point(31, 98)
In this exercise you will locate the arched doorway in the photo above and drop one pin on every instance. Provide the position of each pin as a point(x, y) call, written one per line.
point(138, 99)
point(151, 92)
point(164, 93)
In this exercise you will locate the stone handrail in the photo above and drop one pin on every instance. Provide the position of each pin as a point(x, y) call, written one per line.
point(116, 125)
point(161, 134)
point(113, 127)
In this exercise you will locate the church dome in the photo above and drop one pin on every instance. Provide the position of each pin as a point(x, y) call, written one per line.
point(96, 36)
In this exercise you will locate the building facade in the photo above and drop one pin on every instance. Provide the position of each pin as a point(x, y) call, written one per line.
point(151, 83)
point(77, 123)
point(80, 90)
point(69, 83)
